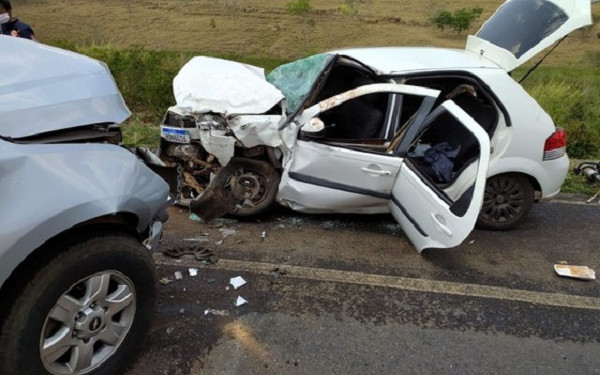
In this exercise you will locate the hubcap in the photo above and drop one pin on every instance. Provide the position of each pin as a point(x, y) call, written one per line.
point(88, 324)
point(503, 200)
point(249, 187)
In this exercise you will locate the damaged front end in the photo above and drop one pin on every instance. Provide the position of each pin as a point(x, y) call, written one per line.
point(227, 115)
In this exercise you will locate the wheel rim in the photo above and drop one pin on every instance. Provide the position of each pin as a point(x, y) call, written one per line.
point(504, 200)
point(88, 324)
point(249, 187)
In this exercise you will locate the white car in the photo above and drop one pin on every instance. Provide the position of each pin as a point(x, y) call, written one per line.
point(441, 138)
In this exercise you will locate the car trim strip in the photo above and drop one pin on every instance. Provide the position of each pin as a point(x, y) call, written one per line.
point(335, 185)
point(407, 215)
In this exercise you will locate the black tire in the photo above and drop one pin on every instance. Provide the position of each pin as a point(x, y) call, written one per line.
point(251, 181)
point(118, 262)
point(507, 201)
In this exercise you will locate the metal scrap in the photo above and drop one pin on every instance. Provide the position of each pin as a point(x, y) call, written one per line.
point(200, 253)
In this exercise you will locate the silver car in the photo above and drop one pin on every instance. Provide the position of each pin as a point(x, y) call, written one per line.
point(79, 218)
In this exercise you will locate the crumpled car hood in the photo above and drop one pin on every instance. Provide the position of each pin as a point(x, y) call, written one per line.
point(44, 89)
point(207, 84)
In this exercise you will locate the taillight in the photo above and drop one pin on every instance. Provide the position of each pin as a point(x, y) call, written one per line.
point(556, 145)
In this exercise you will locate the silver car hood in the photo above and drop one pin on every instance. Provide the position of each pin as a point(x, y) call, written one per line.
point(206, 84)
point(44, 89)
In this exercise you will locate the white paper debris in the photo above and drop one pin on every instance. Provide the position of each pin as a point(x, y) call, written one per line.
point(216, 312)
point(577, 272)
point(227, 232)
point(193, 272)
point(178, 275)
point(240, 301)
point(237, 282)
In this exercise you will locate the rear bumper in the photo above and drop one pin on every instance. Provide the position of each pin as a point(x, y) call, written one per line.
point(554, 175)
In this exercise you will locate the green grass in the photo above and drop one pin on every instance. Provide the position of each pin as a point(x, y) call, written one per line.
point(572, 97)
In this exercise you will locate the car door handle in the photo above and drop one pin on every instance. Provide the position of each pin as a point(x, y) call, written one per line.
point(376, 171)
point(441, 225)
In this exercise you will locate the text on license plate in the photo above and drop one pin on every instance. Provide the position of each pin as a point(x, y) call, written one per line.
point(175, 135)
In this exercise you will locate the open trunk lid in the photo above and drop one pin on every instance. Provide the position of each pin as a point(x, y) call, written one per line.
point(520, 29)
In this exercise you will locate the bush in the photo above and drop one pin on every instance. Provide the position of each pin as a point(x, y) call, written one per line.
point(572, 98)
point(458, 21)
point(299, 6)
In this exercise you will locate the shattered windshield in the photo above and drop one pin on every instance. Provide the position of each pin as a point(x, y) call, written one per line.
point(296, 79)
point(520, 25)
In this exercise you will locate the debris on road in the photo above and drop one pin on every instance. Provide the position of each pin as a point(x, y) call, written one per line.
point(199, 252)
point(210, 280)
point(178, 275)
point(169, 330)
point(278, 272)
point(227, 232)
point(166, 281)
point(577, 272)
point(216, 312)
point(240, 301)
point(237, 282)
point(263, 235)
point(193, 272)
point(196, 218)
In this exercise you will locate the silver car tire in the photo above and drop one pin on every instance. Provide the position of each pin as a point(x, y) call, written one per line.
point(85, 312)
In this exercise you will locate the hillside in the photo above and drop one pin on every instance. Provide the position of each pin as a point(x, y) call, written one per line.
point(264, 27)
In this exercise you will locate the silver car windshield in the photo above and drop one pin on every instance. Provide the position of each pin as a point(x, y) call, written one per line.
point(520, 25)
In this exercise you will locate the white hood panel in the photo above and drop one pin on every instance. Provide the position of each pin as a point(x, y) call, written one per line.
point(207, 84)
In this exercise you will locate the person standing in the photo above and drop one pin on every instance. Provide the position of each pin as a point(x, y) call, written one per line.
point(13, 26)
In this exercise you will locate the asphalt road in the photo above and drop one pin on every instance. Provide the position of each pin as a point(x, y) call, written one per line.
point(349, 295)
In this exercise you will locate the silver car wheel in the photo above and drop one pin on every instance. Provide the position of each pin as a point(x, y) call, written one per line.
point(88, 324)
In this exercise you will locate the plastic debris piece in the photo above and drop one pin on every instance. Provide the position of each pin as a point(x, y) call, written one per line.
point(182, 311)
point(178, 275)
point(471, 242)
point(195, 218)
point(577, 272)
point(227, 232)
point(240, 301)
point(201, 239)
point(263, 235)
point(165, 281)
point(219, 243)
point(216, 312)
point(169, 330)
point(237, 282)
point(210, 280)
point(193, 272)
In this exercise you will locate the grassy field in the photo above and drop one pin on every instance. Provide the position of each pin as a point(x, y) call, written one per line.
point(145, 42)
point(261, 27)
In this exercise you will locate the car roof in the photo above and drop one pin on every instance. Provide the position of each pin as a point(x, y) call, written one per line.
point(389, 60)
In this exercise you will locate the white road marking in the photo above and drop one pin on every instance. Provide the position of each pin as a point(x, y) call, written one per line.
point(401, 283)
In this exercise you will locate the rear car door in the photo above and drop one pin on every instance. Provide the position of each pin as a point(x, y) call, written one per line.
point(438, 192)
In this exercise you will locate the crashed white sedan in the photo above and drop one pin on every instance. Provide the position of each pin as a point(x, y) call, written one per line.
point(441, 138)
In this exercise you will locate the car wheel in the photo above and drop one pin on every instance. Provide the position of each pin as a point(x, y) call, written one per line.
point(253, 184)
point(507, 201)
point(84, 312)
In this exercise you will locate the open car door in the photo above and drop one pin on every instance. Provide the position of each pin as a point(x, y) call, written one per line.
point(520, 29)
point(439, 189)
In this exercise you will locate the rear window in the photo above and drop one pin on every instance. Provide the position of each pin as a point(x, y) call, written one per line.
point(519, 25)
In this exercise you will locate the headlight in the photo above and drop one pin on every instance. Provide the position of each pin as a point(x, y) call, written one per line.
point(211, 122)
